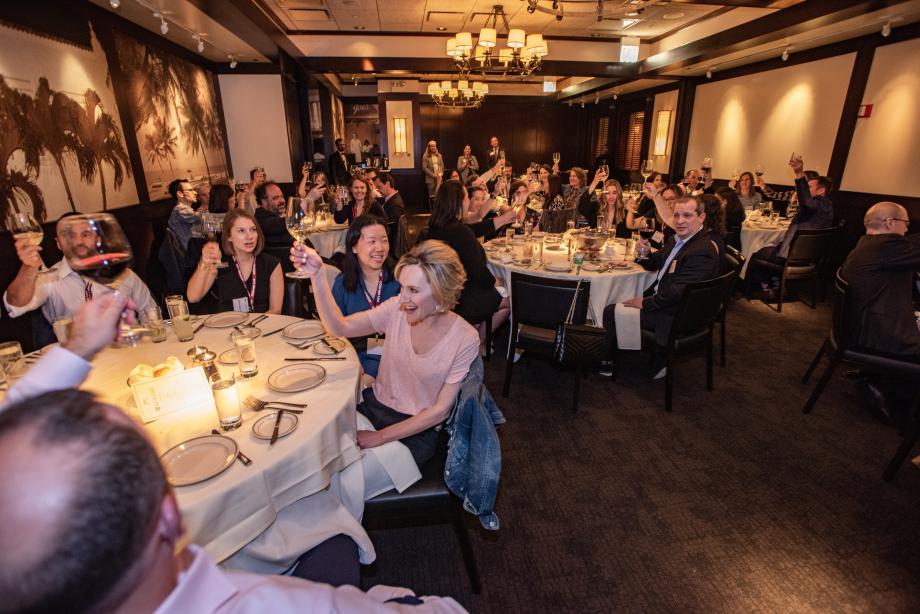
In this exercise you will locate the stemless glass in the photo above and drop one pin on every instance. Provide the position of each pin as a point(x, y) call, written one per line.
point(299, 220)
point(152, 318)
point(181, 319)
point(246, 353)
point(227, 400)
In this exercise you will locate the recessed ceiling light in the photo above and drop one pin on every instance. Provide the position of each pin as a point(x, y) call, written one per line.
point(629, 22)
point(632, 14)
point(441, 28)
point(674, 15)
point(360, 28)
point(596, 35)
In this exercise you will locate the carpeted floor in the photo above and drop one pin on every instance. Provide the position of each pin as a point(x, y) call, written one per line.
point(734, 502)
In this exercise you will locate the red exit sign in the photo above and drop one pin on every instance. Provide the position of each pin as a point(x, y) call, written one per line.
point(865, 110)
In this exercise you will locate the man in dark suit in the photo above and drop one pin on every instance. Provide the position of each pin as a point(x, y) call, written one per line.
point(390, 200)
point(689, 256)
point(338, 164)
point(496, 152)
point(881, 270)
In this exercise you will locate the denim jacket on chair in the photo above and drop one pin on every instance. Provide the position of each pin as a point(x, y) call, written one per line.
point(474, 457)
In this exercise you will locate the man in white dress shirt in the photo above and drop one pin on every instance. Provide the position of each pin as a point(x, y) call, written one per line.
point(90, 524)
point(62, 291)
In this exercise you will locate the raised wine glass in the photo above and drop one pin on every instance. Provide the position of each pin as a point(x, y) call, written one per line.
point(97, 249)
point(210, 227)
point(556, 157)
point(299, 219)
point(24, 226)
point(648, 167)
point(758, 170)
point(707, 164)
point(604, 168)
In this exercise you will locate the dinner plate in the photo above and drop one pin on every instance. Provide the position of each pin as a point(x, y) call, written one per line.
point(226, 319)
point(620, 264)
point(228, 357)
point(296, 378)
point(304, 329)
point(591, 266)
point(558, 268)
point(198, 459)
point(321, 348)
point(265, 426)
point(252, 331)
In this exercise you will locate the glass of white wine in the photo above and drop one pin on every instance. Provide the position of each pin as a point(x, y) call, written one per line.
point(648, 167)
point(24, 227)
point(556, 157)
point(299, 219)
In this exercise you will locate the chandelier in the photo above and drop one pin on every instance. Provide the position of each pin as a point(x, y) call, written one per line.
point(523, 55)
point(464, 96)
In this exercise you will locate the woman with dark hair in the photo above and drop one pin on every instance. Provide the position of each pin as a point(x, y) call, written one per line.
point(733, 213)
point(747, 193)
point(366, 279)
point(482, 219)
point(553, 199)
point(714, 224)
point(479, 298)
point(223, 198)
point(360, 202)
point(253, 282)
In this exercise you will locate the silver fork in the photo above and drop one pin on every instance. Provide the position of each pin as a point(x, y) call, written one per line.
point(256, 404)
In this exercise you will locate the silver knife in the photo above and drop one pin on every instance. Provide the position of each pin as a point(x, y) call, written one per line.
point(322, 358)
point(275, 430)
point(328, 345)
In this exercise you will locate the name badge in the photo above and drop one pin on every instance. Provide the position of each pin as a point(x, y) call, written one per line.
point(673, 267)
point(658, 237)
point(241, 304)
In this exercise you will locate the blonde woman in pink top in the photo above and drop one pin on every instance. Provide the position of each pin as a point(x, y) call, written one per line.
point(428, 351)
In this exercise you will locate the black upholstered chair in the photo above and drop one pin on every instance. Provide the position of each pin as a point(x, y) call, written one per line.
point(410, 226)
point(733, 261)
point(426, 502)
point(538, 305)
point(807, 253)
point(839, 350)
point(692, 328)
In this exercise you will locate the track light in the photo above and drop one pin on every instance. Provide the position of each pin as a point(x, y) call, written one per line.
point(582, 104)
point(232, 61)
point(597, 98)
point(785, 55)
point(164, 27)
point(886, 29)
point(709, 73)
point(200, 43)
point(115, 3)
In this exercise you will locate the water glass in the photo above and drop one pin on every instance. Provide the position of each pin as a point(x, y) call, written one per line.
point(62, 329)
point(11, 362)
point(227, 399)
point(152, 318)
point(509, 237)
point(246, 353)
point(181, 319)
point(527, 252)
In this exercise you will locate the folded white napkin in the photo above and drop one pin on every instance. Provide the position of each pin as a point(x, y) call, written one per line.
point(506, 257)
point(629, 335)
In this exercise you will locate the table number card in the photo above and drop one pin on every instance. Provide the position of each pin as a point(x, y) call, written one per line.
point(183, 391)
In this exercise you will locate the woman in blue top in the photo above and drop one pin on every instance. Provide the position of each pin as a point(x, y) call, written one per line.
point(366, 279)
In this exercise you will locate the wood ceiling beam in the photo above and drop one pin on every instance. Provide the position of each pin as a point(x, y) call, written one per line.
point(396, 66)
point(799, 18)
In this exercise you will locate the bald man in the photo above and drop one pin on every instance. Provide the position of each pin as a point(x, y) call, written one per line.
point(880, 271)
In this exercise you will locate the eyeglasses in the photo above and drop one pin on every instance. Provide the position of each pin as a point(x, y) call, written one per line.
point(898, 219)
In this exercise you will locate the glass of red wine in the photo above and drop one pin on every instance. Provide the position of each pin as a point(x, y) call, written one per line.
point(97, 249)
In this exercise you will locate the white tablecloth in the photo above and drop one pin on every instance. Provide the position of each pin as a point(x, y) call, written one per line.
point(613, 286)
point(331, 241)
point(753, 238)
point(303, 472)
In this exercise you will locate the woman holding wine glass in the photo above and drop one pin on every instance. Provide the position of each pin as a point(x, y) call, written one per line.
point(578, 194)
point(467, 164)
point(358, 202)
point(252, 281)
point(747, 192)
point(613, 210)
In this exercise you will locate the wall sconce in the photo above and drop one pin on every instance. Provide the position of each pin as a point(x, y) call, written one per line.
point(399, 132)
point(662, 130)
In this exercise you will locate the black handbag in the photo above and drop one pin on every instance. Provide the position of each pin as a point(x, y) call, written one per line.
point(578, 345)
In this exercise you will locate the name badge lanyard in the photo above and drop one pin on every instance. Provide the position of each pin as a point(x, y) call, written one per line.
point(251, 293)
point(373, 301)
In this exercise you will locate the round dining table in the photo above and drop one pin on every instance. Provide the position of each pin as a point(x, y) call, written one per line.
point(230, 511)
point(756, 235)
point(611, 286)
point(328, 238)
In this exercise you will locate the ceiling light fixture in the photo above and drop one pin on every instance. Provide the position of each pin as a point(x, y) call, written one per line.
point(164, 27)
point(115, 3)
point(523, 55)
point(886, 29)
point(200, 45)
point(463, 95)
point(441, 29)
point(709, 73)
point(232, 61)
point(785, 55)
point(629, 49)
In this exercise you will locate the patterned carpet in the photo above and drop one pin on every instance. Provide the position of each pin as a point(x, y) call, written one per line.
point(735, 502)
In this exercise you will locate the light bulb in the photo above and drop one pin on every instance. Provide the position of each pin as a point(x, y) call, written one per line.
point(200, 44)
point(785, 55)
point(886, 29)
point(709, 73)
point(115, 3)
point(232, 61)
point(164, 27)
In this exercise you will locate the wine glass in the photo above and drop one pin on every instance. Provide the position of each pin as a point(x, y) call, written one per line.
point(210, 227)
point(758, 170)
point(736, 175)
point(556, 157)
point(648, 167)
point(707, 164)
point(97, 249)
point(604, 168)
point(24, 227)
point(299, 219)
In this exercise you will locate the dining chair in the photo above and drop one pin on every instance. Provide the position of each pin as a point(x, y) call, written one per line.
point(410, 226)
point(692, 328)
point(839, 349)
point(538, 306)
point(807, 253)
point(732, 261)
point(556, 220)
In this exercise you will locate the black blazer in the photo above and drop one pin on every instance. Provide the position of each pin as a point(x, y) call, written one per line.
point(273, 228)
point(881, 270)
point(479, 298)
point(338, 168)
point(697, 260)
point(347, 213)
point(394, 208)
